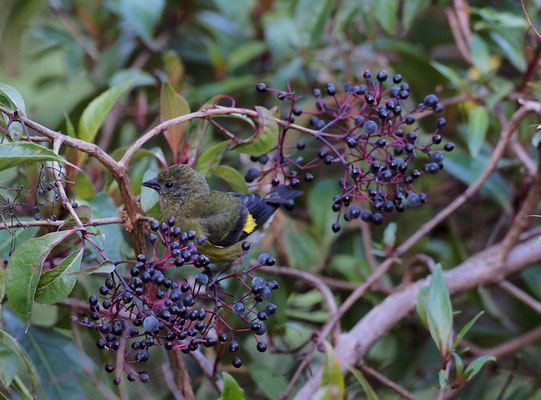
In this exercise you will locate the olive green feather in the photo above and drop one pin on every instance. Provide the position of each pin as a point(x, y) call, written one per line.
point(225, 219)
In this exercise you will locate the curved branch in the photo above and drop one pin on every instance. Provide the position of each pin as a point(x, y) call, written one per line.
point(476, 271)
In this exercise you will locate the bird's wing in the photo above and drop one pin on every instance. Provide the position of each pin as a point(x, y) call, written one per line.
point(235, 217)
point(225, 219)
point(259, 212)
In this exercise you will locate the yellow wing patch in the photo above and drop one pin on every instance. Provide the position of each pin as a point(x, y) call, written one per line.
point(250, 224)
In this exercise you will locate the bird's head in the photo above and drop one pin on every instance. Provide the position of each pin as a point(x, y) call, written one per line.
point(179, 182)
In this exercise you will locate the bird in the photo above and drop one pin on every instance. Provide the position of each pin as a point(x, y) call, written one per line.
point(225, 219)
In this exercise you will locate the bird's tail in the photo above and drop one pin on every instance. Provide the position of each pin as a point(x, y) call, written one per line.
point(281, 194)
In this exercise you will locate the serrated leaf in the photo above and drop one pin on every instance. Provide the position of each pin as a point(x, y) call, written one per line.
point(477, 128)
point(233, 178)
point(11, 98)
point(24, 270)
point(173, 105)
point(17, 153)
point(422, 300)
point(465, 329)
point(95, 112)
point(439, 311)
point(476, 365)
point(56, 284)
point(386, 13)
point(370, 393)
point(232, 390)
point(106, 267)
point(265, 137)
point(209, 160)
point(10, 342)
point(332, 374)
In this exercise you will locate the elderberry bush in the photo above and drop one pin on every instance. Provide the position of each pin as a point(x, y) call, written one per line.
point(134, 314)
point(371, 130)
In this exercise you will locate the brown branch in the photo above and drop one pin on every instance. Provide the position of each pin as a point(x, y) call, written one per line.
point(509, 347)
point(527, 16)
point(312, 280)
point(60, 185)
point(526, 108)
point(461, 44)
point(521, 295)
point(476, 271)
point(180, 374)
point(59, 223)
point(386, 381)
point(208, 369)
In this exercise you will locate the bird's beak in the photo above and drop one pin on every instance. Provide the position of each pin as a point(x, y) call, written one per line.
point(153, 184)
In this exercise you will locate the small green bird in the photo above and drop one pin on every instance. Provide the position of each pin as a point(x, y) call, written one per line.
point(225, 219)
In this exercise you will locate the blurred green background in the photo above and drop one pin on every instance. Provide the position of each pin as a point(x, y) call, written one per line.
point(61, 54)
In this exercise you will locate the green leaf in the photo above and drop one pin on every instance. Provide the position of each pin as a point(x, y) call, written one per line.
point(459, 366)
point(233, 178)
point(11, 98)
point(305, 252)
point(389, 235)
point(245, 52)
point(106, 267)
point(465, 329)
point(386, 13)
point(139, 154)
point(57, 361)
point(266, 136)
point(477, 129)
point(476, 365)
point(149, 197)
point(9, 342)
point(511, 46)
point(439, 311)
point(83, 187)
point(141, 16)
point(24, 270)
point(173, 105)
point(209, 160)
point(8, 364)
point(18, 153)
point(447, 72)
point(2, 283)
point(57, 283)
point(272, 383)
point(442, 378)
point(320, 207)
point(21, 235)
point(480, 54)
point(370, 393)
point(232, 390)
point(311, 17)
point(412, 8)
point(95, 112)
point(422, 300)
point(332, 374)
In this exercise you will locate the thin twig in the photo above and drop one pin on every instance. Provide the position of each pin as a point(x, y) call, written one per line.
point(386, 381)
point(60, 185)
point(208, 369)
point(527, 16)
point(509, 347)
point(58, 223)
point(312, 280)
point(521, 295)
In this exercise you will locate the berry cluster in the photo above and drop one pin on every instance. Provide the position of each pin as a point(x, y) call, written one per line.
point(148, 309)
point(371, 131)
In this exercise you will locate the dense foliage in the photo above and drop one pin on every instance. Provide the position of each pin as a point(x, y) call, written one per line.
point(410, 128)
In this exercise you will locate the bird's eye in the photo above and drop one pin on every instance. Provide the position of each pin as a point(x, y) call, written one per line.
point(169, 185)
